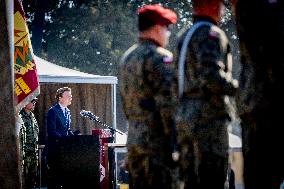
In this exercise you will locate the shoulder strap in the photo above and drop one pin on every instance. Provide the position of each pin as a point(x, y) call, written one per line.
point(182, 55)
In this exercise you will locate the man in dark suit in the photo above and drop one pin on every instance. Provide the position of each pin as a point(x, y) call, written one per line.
point(58, 126)
point(58, 116)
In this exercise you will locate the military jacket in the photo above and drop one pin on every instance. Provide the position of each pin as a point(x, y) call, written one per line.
point(30, 132)
point(29, 149)
point(145, 76)
point(208, 73)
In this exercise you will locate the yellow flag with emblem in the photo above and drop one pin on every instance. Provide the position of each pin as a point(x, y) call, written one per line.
point(26, 78)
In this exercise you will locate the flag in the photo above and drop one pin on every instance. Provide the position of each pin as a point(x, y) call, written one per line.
point(26, 78)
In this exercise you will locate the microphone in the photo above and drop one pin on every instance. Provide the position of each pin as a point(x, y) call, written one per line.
point(92, 116)
point(84, 112)
point(88, 114)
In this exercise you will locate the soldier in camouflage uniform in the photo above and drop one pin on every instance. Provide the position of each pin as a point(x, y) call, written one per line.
point(29, 145)
point(260, 94)
point(202, 117)
point(145, 76)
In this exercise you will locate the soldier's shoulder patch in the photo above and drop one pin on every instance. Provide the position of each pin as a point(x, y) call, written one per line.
point(167, 55)
point(213, 34)
point(168, 59)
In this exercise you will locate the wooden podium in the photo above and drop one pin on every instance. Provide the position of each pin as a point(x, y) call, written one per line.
point(105, 137)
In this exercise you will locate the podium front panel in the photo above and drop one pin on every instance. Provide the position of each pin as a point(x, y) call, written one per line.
point(80, 160)
point(105, 137)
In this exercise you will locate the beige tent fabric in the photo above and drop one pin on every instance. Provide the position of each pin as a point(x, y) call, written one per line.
point(96, 98)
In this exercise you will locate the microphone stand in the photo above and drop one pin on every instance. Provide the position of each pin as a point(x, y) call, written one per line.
point(105, 125)
point(111, 154)
point(93, 117)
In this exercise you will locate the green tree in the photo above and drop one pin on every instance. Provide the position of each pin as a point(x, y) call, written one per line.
point(91, 36)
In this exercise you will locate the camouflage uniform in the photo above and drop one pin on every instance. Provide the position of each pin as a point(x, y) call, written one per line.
point(201, 117)
point(260, 95)
point(145, 76)
point(29, 147)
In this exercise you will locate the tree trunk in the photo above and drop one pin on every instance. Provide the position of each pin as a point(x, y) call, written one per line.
point(9, 163)
point(260, 25)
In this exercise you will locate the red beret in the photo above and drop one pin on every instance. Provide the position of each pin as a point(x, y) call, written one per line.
point(158, 14)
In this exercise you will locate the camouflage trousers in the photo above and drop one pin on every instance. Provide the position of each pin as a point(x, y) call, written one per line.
point(203, 154)
point(149, 170)
point(30, 173)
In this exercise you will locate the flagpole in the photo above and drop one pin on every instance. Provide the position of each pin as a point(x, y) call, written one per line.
point(10, 21)
point(9, 156)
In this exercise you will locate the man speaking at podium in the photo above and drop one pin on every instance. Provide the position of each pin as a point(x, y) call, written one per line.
point(58, 125)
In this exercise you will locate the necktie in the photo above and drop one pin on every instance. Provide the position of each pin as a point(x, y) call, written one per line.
point(67, 117)
point(66, 113)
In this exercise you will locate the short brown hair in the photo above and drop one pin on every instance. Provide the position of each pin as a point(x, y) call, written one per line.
point(60, 92)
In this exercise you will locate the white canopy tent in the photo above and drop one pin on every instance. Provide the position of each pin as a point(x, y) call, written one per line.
point(49, 72)
point(52, 74)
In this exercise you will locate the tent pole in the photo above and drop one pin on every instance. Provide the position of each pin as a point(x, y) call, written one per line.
point(113, 89)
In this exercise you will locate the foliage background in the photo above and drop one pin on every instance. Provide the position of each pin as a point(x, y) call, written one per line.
point(91, 35)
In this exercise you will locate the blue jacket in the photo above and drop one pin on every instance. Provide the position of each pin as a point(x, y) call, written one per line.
point(57, 124)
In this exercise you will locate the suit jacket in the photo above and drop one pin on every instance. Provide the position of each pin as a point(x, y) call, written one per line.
point(57, 124)
point(58, 127)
